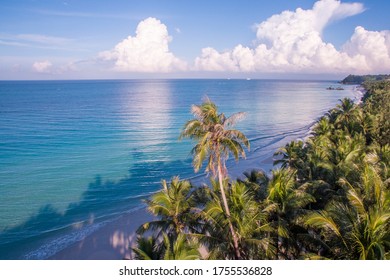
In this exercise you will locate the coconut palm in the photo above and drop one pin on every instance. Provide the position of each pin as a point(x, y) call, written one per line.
point(377, 104)
point(216, 140)
point(250, 224)
point(294, 156)
point(323, 127)
point(318, 155)
point(352, 233)
point(348, 115)
point(257, 183)
point(358, 226)
point(180, 248)
point(285, 203)
point(383, 158)
point(347, 156)
point(148, 248)
point(173, 205)
point(166, 248)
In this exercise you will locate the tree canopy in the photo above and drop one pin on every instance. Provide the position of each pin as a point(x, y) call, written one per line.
point(327, 198)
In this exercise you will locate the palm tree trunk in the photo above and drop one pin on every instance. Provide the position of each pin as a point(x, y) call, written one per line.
point(234, 236)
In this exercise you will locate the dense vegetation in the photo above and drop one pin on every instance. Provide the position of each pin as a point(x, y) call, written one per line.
point(327, 198)
point(357, 80)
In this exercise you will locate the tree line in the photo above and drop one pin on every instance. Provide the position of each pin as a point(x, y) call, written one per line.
point(327, 198)
point(359, 79)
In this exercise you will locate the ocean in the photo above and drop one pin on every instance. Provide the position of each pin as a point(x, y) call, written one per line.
point(74, 155)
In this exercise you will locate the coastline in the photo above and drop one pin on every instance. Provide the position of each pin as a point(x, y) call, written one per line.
point(110, 242)
point(114, 240)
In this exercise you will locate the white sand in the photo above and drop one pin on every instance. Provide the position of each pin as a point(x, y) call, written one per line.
point(113, 241)
point(110, 242)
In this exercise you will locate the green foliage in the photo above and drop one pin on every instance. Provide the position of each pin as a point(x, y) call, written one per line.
point(328, 199)
point(215, 142)
point(178, 247)
point(215, 138)
point(173, 205)
point(377, 105)
point(356, 79)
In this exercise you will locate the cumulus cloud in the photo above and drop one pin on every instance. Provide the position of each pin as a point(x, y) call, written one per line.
point(371, 47)
point(292, 42)
point(42, 66)
point(147, 51)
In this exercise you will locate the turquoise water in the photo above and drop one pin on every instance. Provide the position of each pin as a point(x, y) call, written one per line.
point(77, 154)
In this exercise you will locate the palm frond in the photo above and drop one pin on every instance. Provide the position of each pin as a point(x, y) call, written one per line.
point(233, 119)
point(321, 219)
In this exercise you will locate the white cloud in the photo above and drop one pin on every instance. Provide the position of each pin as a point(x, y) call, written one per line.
point(372, 47)
point(42, 66)
point(147, 51)
point(292, 42)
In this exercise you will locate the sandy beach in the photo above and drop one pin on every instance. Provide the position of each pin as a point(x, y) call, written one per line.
point(111, 242)
point(114, 240)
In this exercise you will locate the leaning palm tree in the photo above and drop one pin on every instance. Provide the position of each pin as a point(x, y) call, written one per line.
point(250, 224)
point(216, 141)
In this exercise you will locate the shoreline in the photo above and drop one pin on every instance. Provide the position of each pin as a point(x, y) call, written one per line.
point(110, 242)
point(113, 240)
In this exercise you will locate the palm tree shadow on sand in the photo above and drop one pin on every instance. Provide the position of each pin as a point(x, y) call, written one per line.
point(101, 202)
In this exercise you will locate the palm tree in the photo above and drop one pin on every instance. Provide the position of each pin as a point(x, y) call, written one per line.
point(257, 183)
point(166, 248)
point(323, 127)
point(250, 224)
point(347, 155)
point(351, 232)
point(148, 248)
point(173, 204)
point(180, 248)
point(284, 204)
point(293, 155)
point(348, 115)
point(216, 140)
point(357, 227)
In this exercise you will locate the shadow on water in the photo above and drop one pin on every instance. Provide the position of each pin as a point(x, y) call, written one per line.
point(102, 201)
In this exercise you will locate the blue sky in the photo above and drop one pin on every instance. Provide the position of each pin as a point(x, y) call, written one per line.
point(72, 39)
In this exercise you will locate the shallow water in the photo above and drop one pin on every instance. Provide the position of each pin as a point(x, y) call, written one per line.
point(76, 154)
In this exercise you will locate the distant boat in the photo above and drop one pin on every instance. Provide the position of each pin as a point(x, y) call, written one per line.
point(248, 79)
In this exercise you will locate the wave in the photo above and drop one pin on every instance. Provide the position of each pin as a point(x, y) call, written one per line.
point(53, 246)
point(52, 154)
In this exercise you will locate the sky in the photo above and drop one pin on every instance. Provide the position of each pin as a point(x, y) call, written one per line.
point(109, 39)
